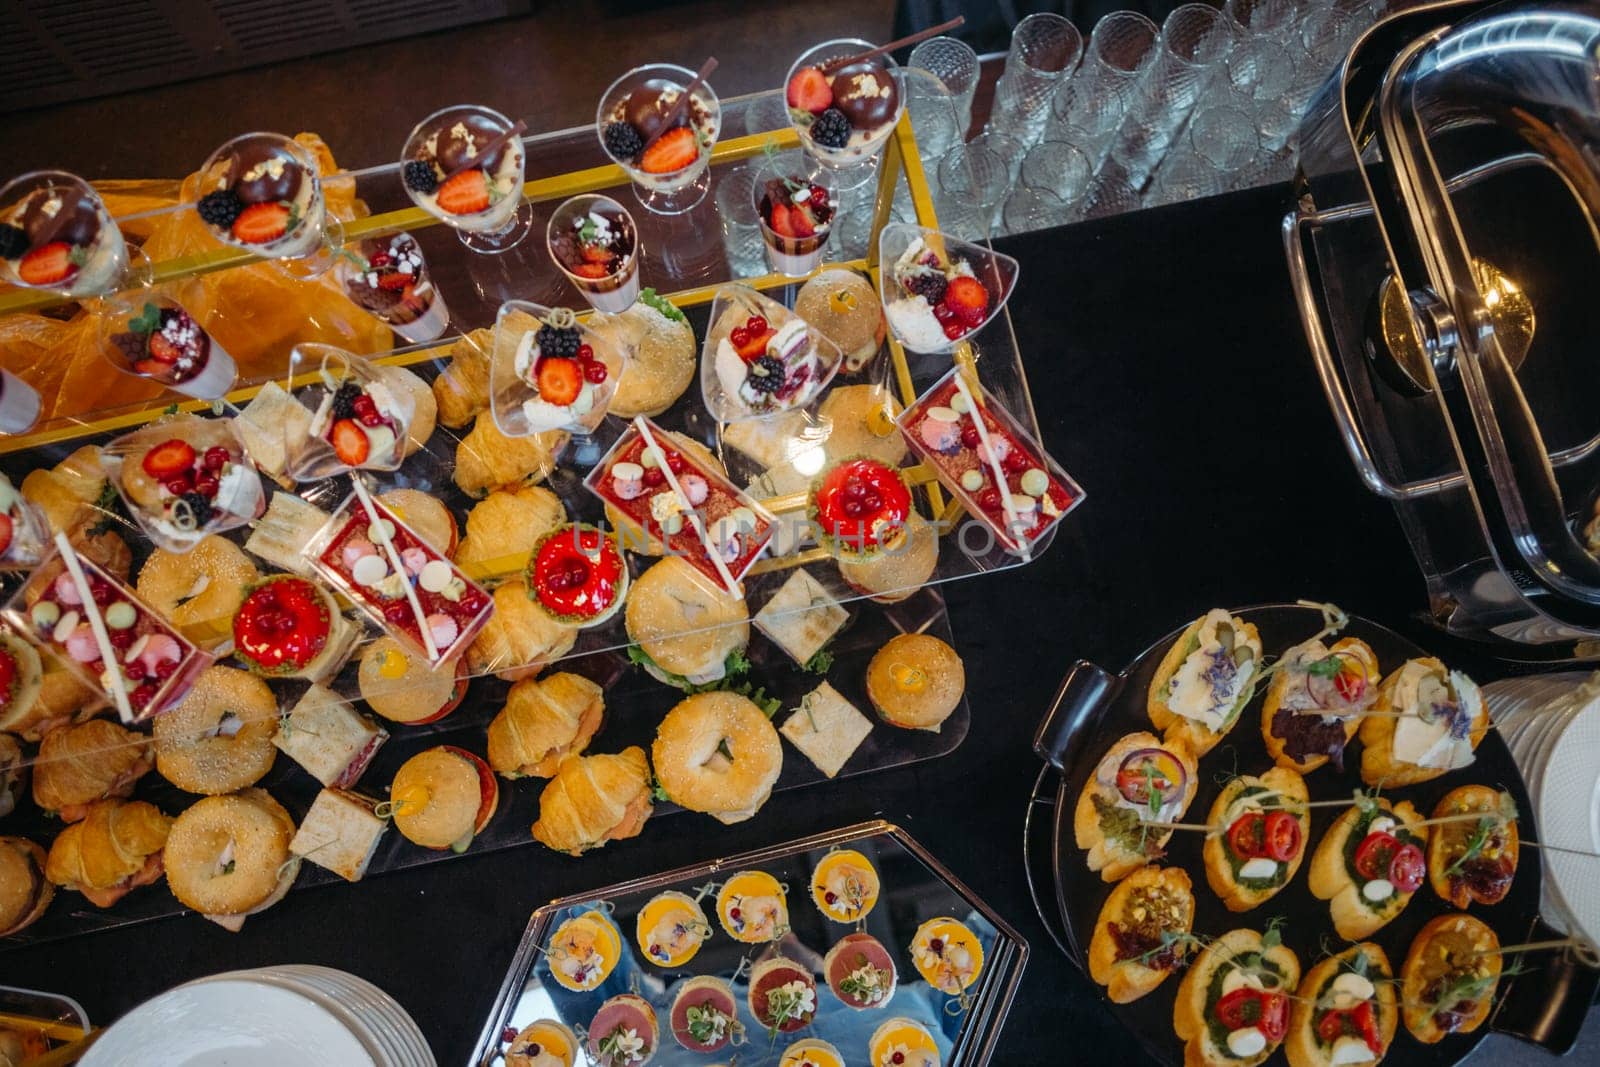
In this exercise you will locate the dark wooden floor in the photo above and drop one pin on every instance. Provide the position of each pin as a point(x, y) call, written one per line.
point(547, 69)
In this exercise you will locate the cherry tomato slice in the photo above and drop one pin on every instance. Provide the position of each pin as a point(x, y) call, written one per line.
point(1351, 681)
point(1331, 1026)
point(1247, 835)
point(1282, 835)
point(1375, 855)
point(1150, 770)
point(1239, 1009)
point(1365, 1022)
point(1407, 868)
point(1274, 1022)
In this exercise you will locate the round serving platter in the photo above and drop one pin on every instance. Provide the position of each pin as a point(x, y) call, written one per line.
point(1093, 708)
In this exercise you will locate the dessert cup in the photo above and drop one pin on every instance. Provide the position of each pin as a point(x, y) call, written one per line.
point(388, 278)
point(56, 235)
point(24, 532)
point(794, 203)
point(633, 108)
point(357, 414)
point(184, 478)
point(745, 375)
point(149, 335)
point(594, 241)
point(549, 372)
point(481, 202)
point(262, 192)
point(919, 264)
point(861, 101)
point(19, 404)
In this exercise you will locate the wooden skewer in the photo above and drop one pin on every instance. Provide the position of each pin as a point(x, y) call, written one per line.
point(915, 38)
point(682, 103)
point(517, 129)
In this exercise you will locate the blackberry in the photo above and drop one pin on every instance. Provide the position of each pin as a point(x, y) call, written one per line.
point(420, 177)
point(344, 401)
point(766, 374)
point(13, 241)
point(220, 208)
point(199, 507)
point(832, 129)
point(554, 341)
point(929, 286)
point(622, 140)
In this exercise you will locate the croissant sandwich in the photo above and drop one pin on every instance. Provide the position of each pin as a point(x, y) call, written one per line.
point(595, 799)
point(542, 723)
point(115, 849)
point(78, 765)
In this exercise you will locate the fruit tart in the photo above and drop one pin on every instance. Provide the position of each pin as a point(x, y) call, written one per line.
point(938, 290)
point(155, 338)
point(184, 478)
point(56, 234)
point(578, 575)
point(388, 278)
point(262, 192)
point(464, 166)
point(549, 371)
point(289, 627)
point(361, 415)
point(861, 507)
point(842, 107)
point(760, 359)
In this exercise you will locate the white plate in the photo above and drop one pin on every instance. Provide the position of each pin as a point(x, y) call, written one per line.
point(383, 1013)
point(1569, 816)
point(229, 1023)
point(370, 1031)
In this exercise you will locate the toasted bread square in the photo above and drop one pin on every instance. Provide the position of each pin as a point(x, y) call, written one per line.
point(801, 617)
point(328, 737)
point(340, 833)
point(826, 728)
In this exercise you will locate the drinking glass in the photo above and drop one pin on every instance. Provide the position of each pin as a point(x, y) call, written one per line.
point(1092, 102)
point(1029, 208)
point(1057, 167)
point(1217, 150)
point(741, 226)
point(1045, 49)
point(1194, 40)
point(449, 171)
point(955, 64)
point(62, 238)
point(972, 182)
point(934, 120)
point(1111, 192)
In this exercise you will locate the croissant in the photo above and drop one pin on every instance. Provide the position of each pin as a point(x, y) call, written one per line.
point(63, 698)
point(504, 527)
point(520, 639)
point(543, 722)
point(594, 799)
point(487, 459)
point(91, 761)
point(66, 493)
point(116, 848)
point(462, 388)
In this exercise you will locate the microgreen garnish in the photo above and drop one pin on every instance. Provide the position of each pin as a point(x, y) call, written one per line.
point(820, 663)
point(1177, 942)
point(661, 304)
point(659, 793)
point(1482, 833)
point(589, 231)
point(147, 322)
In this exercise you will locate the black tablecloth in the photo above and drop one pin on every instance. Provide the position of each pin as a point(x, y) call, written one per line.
point(1173, 381)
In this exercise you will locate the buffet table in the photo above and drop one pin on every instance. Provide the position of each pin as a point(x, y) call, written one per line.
point(1170, 375)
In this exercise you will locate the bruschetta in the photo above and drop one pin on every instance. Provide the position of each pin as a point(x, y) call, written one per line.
point(1138, 781)
point(1142, 933)
point(1232, 1008)
point(1205, 680)
point(1441, 720)
point(1314, 702)
point(1473, 859)
point(1368, 865)
point(1448, 982)
point(1265, 827)
point(1345, 1012)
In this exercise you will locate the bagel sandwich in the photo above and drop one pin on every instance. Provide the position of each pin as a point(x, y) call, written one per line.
point(1232, 1007)
point(663, 360)
point(686, 630)
point(115, 849)
point(199, 591)
point(228, 857)
point(1442, 722)
point(719, 754)
point(25, 892)
point(218, 738)
point(1205, 680)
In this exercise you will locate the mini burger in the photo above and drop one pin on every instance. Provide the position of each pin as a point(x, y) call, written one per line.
point(663, 358)
point(686, 630)
point(115, 849)
point(21, 676)
point(844, 308)
point(24, 890)
point(443, 797)
point(403, 688)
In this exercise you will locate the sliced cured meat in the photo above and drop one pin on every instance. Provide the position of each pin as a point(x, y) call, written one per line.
point(860, 971)
point(704, 1014)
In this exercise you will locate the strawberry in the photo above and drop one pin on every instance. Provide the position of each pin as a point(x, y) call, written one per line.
point(466, 193)
point(47, 264)
point(5, 533)
point(756, 345)
point(801, 221)
point(350, 442)
point(674, 150)
point(168, 458)
point(260, 223)
point(968, 299)
point(153, 367)
point(163, 350)
point(780, 221)
point(394, 281)
point(596, 254)
point(559, 380)
point(809, 91)
point(590, 270)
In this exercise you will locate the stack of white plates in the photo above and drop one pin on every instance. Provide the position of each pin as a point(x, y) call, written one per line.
point(1551, 723)
point(270, 1017)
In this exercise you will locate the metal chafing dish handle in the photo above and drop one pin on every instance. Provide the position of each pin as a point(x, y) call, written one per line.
point(1532, 71)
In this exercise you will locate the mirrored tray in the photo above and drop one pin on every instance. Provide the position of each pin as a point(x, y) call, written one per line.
point(915, 887)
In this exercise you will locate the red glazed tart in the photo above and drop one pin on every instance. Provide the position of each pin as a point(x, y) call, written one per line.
point(861, 506)
point(782, 995)
point(283, 626)
point(578, 575)
point(860, 971)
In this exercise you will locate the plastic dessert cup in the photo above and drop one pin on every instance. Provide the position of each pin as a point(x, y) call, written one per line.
point(19, 404)
point(262, 192)
point(843, 113)
point(696, 512)
point(356, 417)
point(548, 371)
point(760, 359)
point(983, 456)
point(928, 305)
point(112, 640)
point(184, 478)
point(670, 170)
point(151, 336)
point(398, 580)
point(388, 278)
point(56, 235)
point(464, 165)
point(794, 201)
point(595, 242)
point(24, 533)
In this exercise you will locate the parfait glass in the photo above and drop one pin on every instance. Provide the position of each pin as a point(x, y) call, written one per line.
point(870, 118)
point(56, 235)
point(262, 192)
point(388, 278)
point(632, 109)
point(19, 404)
point(609, 283)
point(148, 334)
point(464, 165)
point(796, 210)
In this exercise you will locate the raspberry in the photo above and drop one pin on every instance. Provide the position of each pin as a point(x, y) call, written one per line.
point(930, 287)
point(622, 140)
point(220, 208)
point(420, 178)
point(831, 129)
